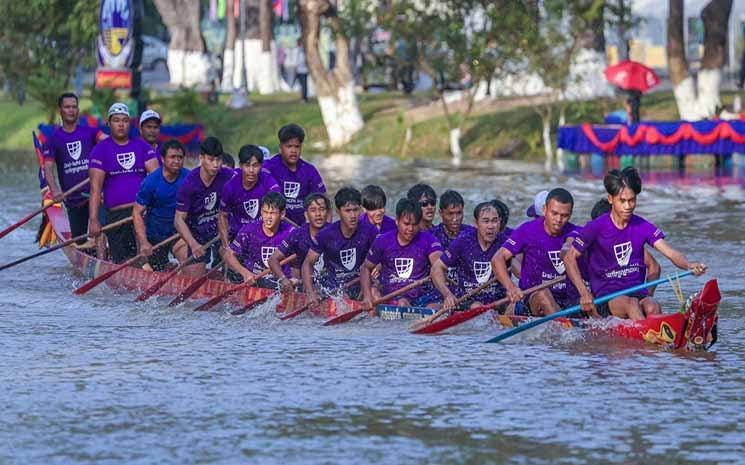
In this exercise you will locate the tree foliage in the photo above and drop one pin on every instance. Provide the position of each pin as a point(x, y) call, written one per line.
point(43, 41)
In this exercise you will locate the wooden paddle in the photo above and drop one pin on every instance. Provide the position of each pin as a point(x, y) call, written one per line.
point(426, 321)
point(344, 317)
point(294, 313)
point(54, 201)
point(460, 317)
point(98, 280)
point(576, 308)
point(64, 244)
point(219, 298)
point(194, 287)
point(149, 292)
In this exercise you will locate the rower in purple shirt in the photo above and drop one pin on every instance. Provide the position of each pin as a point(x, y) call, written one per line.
point(197, 205)
point(116, 167)
point(540, 243)
point(470, 255)
point(424, 196)
point(241, 196)
point(150, 122)
point(405, 255)
point(614, 244)
point(301, 239)
point(373, 203)
point(248, 254)
point(343, 244)
point(68, 149)
point(296, 177)
point(451, 214)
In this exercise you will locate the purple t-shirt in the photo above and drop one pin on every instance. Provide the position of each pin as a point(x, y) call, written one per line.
point(403, 264)
point(124, 166)
point(295, 185)
point(442, 236)
point(299, 242)
point(388, 224)
point(70, 151)
point(472, 264)
point(615, 257)
point(243, 205)
point(541, 256)
point(201, 202)
point(343, 256)
point(253, 247)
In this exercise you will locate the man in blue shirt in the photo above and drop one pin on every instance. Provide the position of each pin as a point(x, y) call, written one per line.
point(155, 207)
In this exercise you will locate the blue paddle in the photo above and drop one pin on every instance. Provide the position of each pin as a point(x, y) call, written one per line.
point(600, 300)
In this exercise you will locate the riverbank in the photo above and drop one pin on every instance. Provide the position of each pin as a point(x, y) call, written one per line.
point(395, 124)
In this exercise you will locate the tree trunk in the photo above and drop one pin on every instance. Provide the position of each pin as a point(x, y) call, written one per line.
point(335, 89)
point(545, 115)
point(228, 57)
point(560, 164)
point(265, 25)
point(187, 61)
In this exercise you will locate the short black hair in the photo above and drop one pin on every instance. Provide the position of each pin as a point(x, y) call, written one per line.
point(485, 206)
point(406, 206)
point(451, 198)
point(347, 195)
point(249, 151)
point(561, 195)
point(171, 144)
point(228, 160)
point(274, 199)
point(211, 146)
point(310, 198)
point(418, 190)
point(65, 95)
point(601, 207)
point(616, 180)
point(289, 132)
point(373, 197)
point(504, 213)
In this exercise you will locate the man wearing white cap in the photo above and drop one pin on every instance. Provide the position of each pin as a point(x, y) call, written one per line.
point(150, 130)
point(116, 168)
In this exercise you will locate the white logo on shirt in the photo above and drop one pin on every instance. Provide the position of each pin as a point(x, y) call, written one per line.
point(555, 257)
point(348, 258)
point(404, 267)
point(126, 160)
point(210, 201)
point(266, 252)
point(252, 207)
point(74, 149)
point(318, 266)
point(623, 253)
point(482, 271)
point(291, 189)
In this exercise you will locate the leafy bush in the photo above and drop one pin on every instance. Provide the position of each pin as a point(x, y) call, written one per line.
point(46, 87)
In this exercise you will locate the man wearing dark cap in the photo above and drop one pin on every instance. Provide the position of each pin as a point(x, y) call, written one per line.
point(198, 203)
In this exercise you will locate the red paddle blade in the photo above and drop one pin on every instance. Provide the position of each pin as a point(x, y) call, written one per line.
point(215, 300)
point(17, 225)
point(181, 298)
point(251, 306)
point(96, 281)
point(294, 313)
point(343, 318)
point(455, 319)
point(149, 292)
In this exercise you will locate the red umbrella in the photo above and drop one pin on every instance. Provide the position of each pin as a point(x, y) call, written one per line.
point(630, 75)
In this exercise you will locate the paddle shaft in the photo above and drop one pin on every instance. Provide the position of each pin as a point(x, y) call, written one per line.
point(194, 287)
point(64, 244)
point(219, 298)
point(344, 317)
point(98, 280)
point(459, 301)
point(471, 313)
point(305, 307)
point(54, 201)
point(576, 308)
point(149, 292)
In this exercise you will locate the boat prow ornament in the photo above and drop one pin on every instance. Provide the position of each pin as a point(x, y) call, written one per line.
point(702, 316)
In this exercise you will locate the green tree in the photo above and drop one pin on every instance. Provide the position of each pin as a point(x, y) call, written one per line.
point(43, 41)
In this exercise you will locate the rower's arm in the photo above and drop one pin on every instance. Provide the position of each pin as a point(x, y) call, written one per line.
point(366, 280)
point(274, 264)
point(306, 269)
point(138, 220)
point(222, 229)
point(438, 273)
point(499, 265)
point(151, 165)
point(516, 265)
point(49, 175)
point(179, 222)
point(678, 258)
point(653, 269)
point(94, 203)
point(234, 264)
point(571, 266)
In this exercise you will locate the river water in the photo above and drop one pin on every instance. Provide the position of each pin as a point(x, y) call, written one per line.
point(100, 379)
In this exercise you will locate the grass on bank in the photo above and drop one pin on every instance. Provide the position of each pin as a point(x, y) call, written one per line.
point(385, 131)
